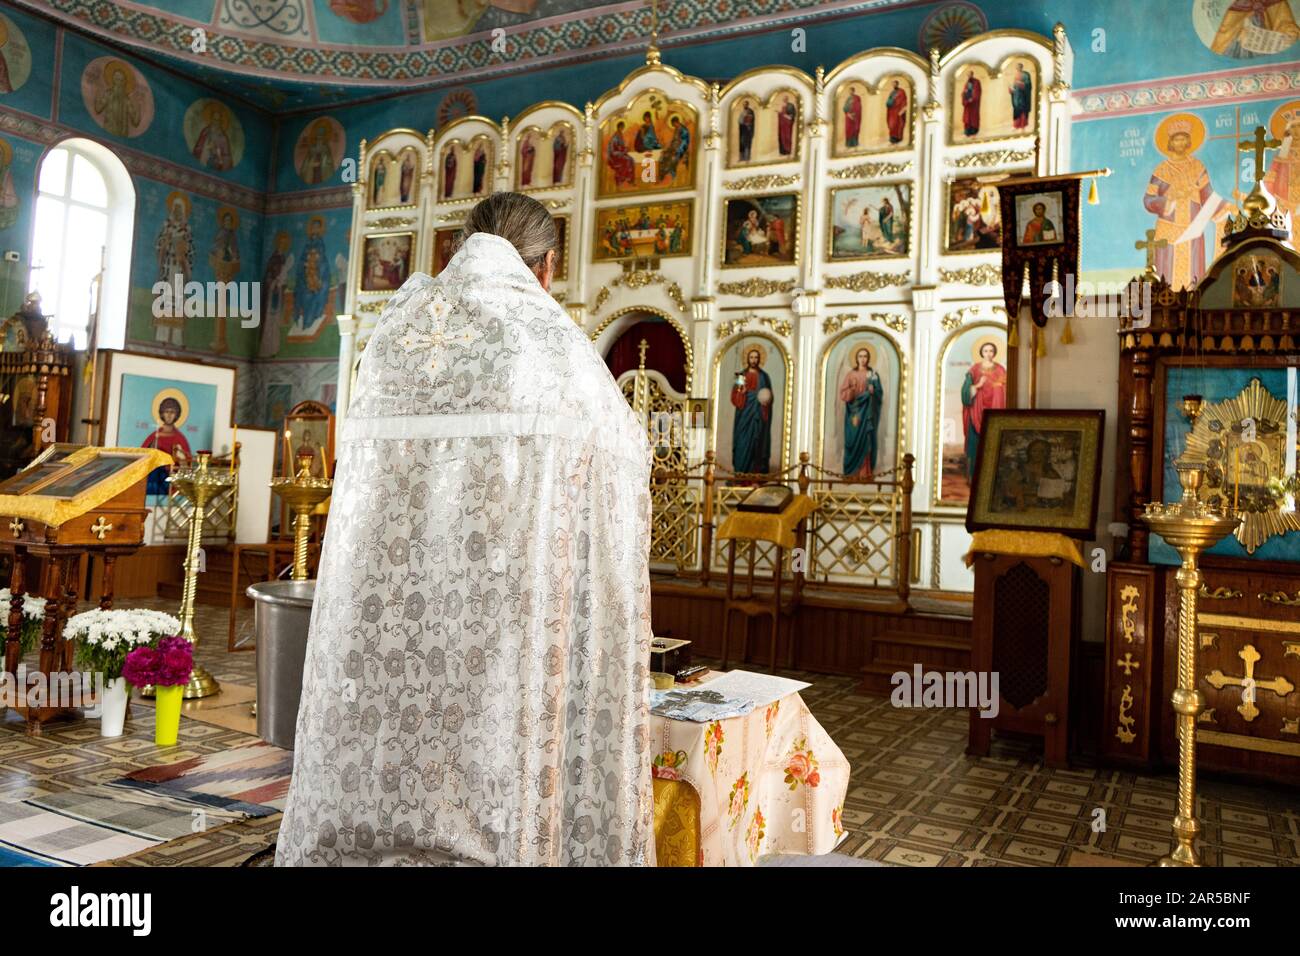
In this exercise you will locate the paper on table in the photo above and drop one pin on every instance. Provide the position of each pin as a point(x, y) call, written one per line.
point(762, 689)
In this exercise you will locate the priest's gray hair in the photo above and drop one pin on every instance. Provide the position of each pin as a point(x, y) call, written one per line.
point(520, 220)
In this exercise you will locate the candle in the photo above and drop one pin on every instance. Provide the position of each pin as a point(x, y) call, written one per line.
point(288, 455)
point(1236, 481)
point(234, 442)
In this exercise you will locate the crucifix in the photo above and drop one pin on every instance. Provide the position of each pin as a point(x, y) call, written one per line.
point(1151, 245)
point(1257, 144)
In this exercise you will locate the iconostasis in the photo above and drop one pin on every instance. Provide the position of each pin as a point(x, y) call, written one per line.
point(812, 237)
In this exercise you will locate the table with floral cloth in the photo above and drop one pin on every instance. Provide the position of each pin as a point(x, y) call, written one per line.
point(729, 791)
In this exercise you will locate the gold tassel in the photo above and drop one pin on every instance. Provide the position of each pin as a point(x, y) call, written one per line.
point(984, 202)
point(1067, 335)
point(1013, 332)
point(1092, 192)
point(1042, 341)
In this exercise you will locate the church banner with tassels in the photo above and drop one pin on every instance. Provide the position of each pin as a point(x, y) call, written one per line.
point(1042, 244)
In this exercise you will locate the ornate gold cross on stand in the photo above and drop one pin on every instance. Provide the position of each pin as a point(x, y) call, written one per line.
point(1257, 144)
point(1248, 684)
point(1151, 245)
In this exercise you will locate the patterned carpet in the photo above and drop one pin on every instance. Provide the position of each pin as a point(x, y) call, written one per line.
point(915, 798)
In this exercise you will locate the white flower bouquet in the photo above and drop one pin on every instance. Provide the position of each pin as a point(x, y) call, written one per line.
point(33, 619)
point(104, 638)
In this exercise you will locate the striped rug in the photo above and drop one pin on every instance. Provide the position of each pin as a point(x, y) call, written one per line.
point(252, 780)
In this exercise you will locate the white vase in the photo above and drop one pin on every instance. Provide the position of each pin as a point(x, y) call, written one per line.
point(113, 707)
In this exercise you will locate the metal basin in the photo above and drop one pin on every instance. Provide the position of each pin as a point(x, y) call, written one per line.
point(282, 617)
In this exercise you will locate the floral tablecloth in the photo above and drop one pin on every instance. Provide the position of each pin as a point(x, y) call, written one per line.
point(730, 791)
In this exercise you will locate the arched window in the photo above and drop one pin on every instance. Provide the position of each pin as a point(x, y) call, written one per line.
point(85, 207)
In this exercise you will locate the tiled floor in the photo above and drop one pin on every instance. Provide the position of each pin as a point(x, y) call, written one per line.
point(915, 798)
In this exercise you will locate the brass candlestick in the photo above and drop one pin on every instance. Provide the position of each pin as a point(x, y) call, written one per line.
point(1190, 527)
point(200, 485)
point(302, 493)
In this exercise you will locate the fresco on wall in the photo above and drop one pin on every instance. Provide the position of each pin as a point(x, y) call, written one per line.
point(648, 146)
point(994, 103)
point(319, 150)
point(9, 206)
point(872, 119)
point(316, 284)
point(1181, 175)
point(117, 96)
point(1244, 29)
point(213, 134)
point(15, 56)
point(223, 258)
point(763, 131)
point(174, 250)
point(275, 278)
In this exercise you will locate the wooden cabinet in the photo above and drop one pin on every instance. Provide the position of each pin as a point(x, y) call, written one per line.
point(1024, 630)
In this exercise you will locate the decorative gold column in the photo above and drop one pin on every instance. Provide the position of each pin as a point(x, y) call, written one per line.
point(302, 493)
point(200, 485)
point(1190, 527)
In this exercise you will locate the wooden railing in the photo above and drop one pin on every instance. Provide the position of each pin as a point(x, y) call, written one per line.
point(860, 536)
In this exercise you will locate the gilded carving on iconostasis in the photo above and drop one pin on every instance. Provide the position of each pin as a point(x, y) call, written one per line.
point(763, 131)
point(873, 118)
point(649, 146)
point(869, 222)
point(393, 179)
point(465, 169)
point(319, 150)
point(117, 96)
point(994, 103)
point(760, 230)
point(213, 134)
point(643, 230)
point(544, 158)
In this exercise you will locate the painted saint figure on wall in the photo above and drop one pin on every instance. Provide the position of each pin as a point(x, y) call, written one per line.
point(970, 104)
point(1255, 27)
point(984, 388)
point(223, 257)
point(316, 149)
point(274, 278)
point(174, 249)
point(311, 287)
point(862, 394)
point(212, 146)
point(9, 206)
point(751, 436)
point(1183, 201)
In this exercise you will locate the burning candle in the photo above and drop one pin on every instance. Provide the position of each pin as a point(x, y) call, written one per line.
point(288, 455)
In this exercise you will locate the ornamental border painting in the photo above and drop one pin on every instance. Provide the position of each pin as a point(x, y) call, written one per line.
point(663, 229)
point(655, 151)
point(960, 407)
point(760, 231)
point(767, 390)
point(853, 234)
point(465, 169)
point(861, 408)
point(1003, 103)
point(400, 183)
point(552, 147)
point(880, 126)
point(770, 136)
point(970, 228)
point(1038, 470)
point(386, 259)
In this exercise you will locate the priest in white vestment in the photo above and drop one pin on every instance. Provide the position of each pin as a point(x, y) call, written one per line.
point(476, 687)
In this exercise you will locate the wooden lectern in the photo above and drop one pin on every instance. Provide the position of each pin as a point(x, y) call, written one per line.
point(67, 503)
